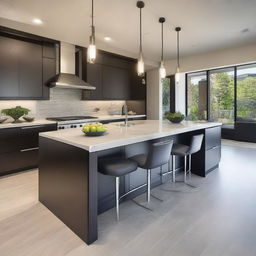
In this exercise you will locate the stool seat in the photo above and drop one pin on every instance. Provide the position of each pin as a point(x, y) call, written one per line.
point(180, 149)
point(140, 159)
point(116, 167)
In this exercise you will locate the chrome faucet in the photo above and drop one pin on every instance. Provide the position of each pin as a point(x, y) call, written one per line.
point(125, 107)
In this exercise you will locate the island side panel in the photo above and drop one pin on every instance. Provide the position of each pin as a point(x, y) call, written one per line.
point(68, 186)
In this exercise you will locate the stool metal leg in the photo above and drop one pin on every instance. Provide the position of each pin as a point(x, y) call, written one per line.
point(185, 169)
point(148, 184)
point(173, 168)
point(117, 197)
point(161, 174)
point(189, 166)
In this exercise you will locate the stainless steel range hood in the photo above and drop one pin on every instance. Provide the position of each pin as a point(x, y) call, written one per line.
point(67, 78)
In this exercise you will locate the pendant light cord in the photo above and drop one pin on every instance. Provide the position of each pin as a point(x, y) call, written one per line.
point(162, 57)
point(178, 48)
point(92, 13)
point(140, 32)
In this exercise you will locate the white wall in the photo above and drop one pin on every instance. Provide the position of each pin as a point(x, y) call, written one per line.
point(225, 57)
point(154, 95)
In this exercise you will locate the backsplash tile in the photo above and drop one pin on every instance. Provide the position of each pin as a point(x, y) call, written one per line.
point(64, 102)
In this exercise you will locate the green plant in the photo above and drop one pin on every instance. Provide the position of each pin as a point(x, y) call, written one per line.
point(15, 113)
point(170, 115)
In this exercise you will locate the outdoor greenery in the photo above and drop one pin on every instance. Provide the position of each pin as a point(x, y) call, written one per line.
point(222, 98)
point(165, 95)
point(246, 98)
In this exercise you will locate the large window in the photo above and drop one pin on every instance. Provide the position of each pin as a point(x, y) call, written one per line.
point(165, 95)
point(225, 94)
point(197, 96)
point(222, 95)
point(246, 92)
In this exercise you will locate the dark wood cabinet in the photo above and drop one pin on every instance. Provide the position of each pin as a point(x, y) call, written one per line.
point(208, 158)
point(9, 68)
point(94, 77)
point(26, 62)
point(115, 83)
point(30, 70)
point(114, 77)
point(19, 147)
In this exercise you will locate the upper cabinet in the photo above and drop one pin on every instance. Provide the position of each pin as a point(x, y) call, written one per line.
point(113, 76)
point(26, 64)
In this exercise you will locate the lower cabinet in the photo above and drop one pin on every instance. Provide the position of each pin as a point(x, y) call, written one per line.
point(208, 158)
point(19, 147)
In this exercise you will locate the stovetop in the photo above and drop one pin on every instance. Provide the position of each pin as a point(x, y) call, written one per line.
point(70, 118)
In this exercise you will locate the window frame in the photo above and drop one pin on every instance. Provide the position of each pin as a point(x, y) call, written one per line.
point(235, 67)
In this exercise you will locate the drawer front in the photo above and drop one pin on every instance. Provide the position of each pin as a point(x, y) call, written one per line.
point(30, 134)
point(10, 140)
point(212, 137)
point(18, 160)
point(212, 157)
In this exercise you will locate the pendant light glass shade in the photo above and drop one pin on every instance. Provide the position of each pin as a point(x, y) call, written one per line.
point(177, 73)
point(177, 76)
point(91, 51)
point(140, 64)
point(162, 69)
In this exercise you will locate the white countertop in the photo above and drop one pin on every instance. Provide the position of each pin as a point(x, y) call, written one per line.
point(119, 136)
point(8, 124)
point(105, 118)
point(24, 123)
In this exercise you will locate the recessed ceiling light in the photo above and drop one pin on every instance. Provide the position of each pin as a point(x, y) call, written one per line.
point(37, 21)
point(107, 38)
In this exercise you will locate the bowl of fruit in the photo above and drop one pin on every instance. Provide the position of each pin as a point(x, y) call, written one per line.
point(94, 129)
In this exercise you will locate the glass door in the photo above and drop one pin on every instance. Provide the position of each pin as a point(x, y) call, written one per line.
point(222, 95)
point(246, 93)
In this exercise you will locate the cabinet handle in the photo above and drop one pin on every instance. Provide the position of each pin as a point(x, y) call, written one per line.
point(29, 149)
point(32, 127)
point(214, 147)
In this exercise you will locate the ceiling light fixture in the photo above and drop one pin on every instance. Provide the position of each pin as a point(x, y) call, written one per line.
point(162, 68)
point(177, 74)
point(91, 51)
point(37, 21)
point(140, 64)
point(107, 38)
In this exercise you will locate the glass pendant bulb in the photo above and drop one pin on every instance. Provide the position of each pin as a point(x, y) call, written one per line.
point(140, 63)
point(177, 75)
point(140, 66)
point(162, 70)
point(91, 51)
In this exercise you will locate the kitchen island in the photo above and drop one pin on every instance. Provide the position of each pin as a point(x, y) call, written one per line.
point(72, 188)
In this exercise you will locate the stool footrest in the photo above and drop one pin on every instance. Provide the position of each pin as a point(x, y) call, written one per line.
point(132, 190)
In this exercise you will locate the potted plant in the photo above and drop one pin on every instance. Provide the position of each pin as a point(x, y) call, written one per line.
point(175, 117)
point(15, 113)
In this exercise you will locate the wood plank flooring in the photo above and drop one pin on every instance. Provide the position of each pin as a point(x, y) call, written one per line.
point(217, 218)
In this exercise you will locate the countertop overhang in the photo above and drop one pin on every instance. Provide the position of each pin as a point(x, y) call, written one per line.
point(120, 136)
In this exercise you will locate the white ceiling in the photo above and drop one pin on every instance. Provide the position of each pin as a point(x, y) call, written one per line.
point(207, 25)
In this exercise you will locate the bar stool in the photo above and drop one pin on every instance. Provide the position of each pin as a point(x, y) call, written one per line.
point(117, 167)
point(158, 155)
point(184, 151)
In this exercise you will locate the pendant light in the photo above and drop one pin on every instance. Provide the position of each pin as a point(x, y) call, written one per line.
point(140, 65)
point(91, 51)
point(177, 74)
point(162, 70)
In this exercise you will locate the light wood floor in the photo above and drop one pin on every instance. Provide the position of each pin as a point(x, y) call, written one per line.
point(216, 219)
